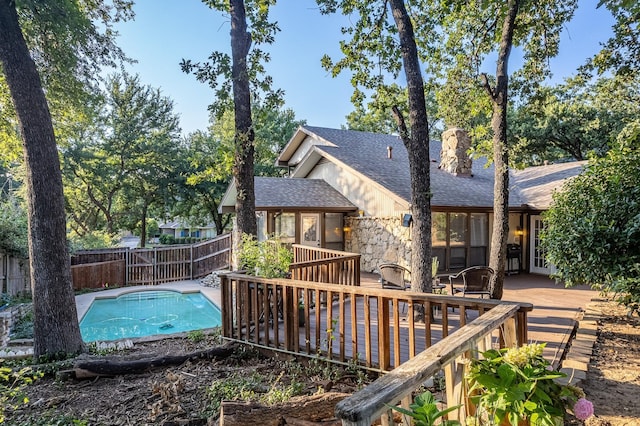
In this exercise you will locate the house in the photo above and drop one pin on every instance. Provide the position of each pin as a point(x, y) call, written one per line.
point(180, 229)
point(350, 190)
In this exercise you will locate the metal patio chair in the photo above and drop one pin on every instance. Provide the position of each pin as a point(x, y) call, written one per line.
point(475, 280)
point(394, 276)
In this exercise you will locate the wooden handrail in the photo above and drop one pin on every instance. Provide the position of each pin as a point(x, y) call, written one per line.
point(370, 403)
point(324, 265)
point(342, 323)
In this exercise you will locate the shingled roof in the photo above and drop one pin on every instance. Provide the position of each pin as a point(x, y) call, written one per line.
point(366, 153)
point(274, 193)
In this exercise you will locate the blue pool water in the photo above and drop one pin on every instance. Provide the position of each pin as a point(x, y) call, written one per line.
point(147, 313)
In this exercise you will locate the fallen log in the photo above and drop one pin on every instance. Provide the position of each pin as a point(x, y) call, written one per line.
point(313, 410)
point(85, 369)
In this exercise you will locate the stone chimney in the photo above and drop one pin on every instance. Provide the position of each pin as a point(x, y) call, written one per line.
point(453, 157)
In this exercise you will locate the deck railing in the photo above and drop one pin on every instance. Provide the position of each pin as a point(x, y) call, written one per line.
point(325, 266)
point(449, 354)
point(123, 266)
point(376, 328)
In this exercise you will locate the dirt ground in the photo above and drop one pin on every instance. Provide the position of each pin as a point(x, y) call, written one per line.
point(180, 395)
point(613, 379)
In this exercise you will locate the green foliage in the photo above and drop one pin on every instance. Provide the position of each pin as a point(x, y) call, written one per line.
point(574, 119)
point(123, 168)
point(517, 384)
point(376, 117)
point(91, 240)
point(217, 71)
point(592, 230)
point(71, 42)
point(13, 227)
point(424, 411)
point(23, 328)
point(12, 385)
point(269, 258)
point(266, 389)
point(167, 239)
point(621, 53)
point(196, 336)
point(209, 158)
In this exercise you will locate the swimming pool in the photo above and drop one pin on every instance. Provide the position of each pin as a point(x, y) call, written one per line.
point(147, 313)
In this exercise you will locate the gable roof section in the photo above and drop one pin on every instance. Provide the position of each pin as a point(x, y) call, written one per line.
point(366, 154)
point(273, 193)
point(535, 185)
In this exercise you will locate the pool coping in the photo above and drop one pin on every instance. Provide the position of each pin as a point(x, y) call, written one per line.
point(84, 301)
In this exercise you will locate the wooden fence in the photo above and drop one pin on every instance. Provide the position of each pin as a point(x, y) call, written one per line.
point(124, 266)
point(376, 328)
point(325, 266)
point(14, 275)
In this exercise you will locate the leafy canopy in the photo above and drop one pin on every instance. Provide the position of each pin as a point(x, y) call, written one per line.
point(574, 119)
point(592, 232)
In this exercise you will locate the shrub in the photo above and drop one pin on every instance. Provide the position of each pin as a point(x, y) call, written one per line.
point(592, 230)
point(269, 258)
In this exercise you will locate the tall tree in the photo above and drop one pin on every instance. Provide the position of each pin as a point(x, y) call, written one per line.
point(242, 74)
point(388, 42)
point(245, 134)
point(375, 116)
point(499, 98)
point(621, 53)
point(209, 161)
point(574, 119)
point(471, 32)
point(127, 165)
point(56, 328)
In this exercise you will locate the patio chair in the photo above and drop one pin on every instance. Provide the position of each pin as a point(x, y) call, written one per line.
point(475, 280)
point(394, 276)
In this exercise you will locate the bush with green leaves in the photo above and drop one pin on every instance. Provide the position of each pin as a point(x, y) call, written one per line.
point(270, 258)
point(13, 227)
point(515, 384)
point(12, 384)
point(592, 232)
point(425, 412)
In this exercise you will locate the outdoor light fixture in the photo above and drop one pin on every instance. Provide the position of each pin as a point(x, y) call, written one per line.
point(519, 232)
point(406, 220)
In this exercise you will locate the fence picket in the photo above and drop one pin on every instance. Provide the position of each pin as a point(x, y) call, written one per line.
point(153, 266)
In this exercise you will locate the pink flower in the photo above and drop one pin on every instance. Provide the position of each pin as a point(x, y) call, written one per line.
point(583, 409)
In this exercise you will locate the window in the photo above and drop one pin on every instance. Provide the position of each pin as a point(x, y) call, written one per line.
point(261, 224)
point(459, 239)
point(479, 239)
point(285, 227)
point(333, 232)
point(438, 229)
point(457, 229)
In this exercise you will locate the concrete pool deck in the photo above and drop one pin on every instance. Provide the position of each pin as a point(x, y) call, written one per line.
point(84, 301)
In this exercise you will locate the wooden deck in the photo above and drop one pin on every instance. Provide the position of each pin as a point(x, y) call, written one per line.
point(377, 328)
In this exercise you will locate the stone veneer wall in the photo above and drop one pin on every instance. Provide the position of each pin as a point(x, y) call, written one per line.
point(8, 317)
point(378, 240)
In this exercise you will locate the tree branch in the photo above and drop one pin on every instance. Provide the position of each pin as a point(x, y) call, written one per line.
point(402, 126)
point(487, 86)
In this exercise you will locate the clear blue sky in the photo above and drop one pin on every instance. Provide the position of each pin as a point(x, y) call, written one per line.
point(165, 31)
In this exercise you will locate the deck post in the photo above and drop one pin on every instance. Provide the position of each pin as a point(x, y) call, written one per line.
point(384, 338)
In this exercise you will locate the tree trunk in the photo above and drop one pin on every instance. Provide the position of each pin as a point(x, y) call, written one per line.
point(499, 99)
point(417, 143)
point(244, 147)
point(56, 329)
point(316, 409)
